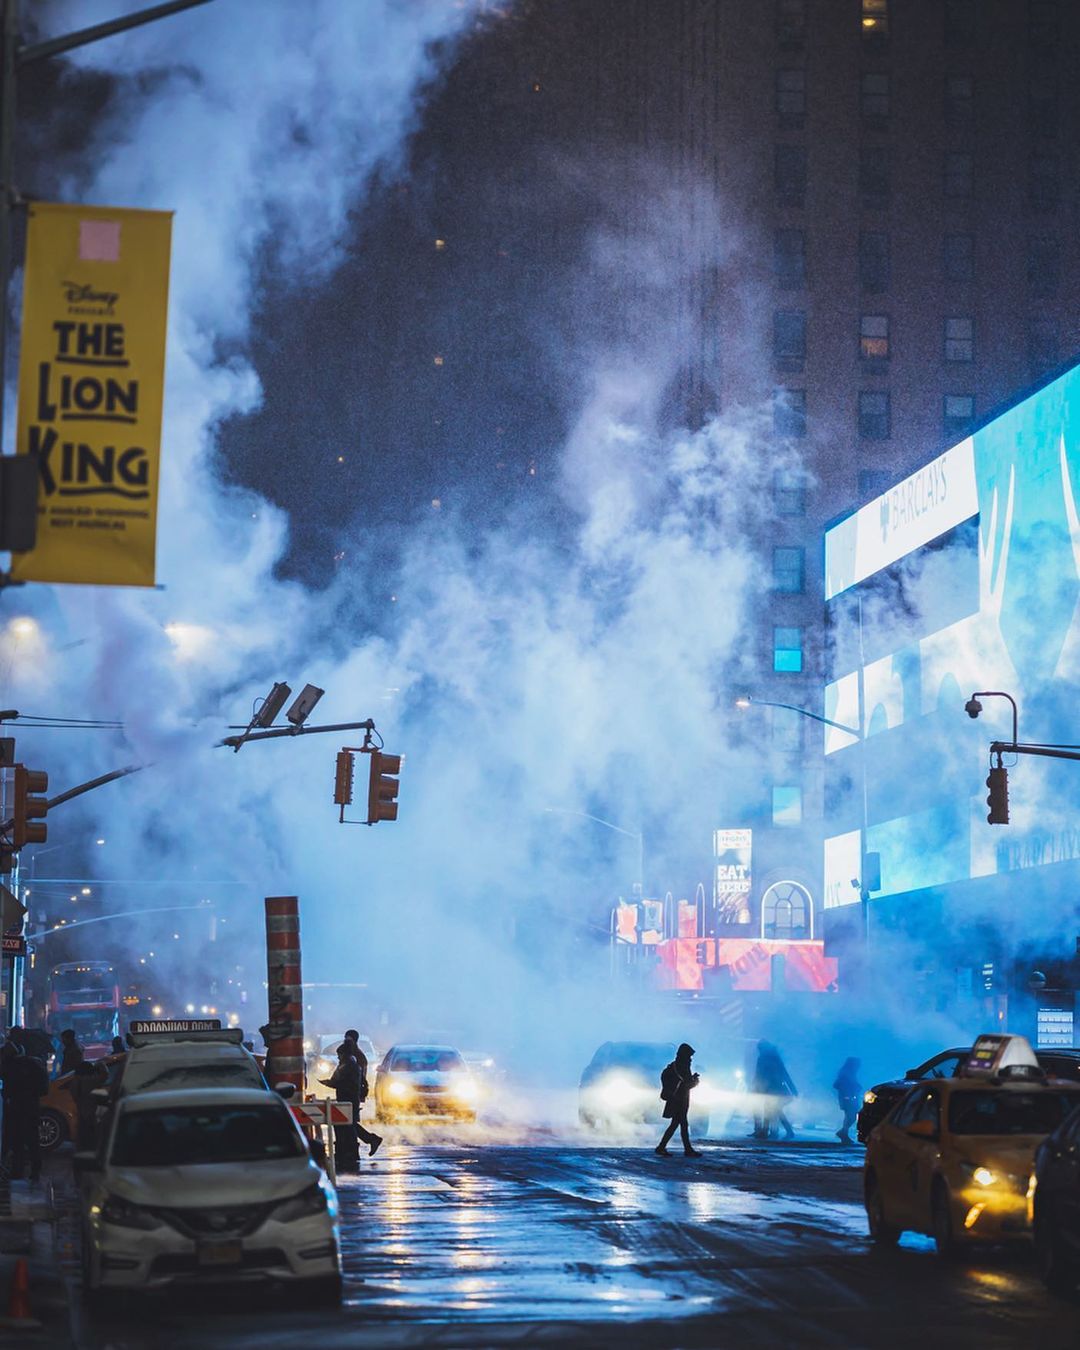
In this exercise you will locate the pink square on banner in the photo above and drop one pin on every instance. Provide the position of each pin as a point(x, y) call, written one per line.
point(99, 241)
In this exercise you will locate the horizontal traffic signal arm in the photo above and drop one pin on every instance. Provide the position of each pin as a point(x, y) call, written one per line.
point(1047, 751)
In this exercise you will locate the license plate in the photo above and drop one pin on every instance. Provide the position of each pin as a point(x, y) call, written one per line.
point(219, 1253)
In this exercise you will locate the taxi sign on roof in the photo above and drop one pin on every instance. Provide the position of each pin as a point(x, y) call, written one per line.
point(176, 1024)
point(994, 1052)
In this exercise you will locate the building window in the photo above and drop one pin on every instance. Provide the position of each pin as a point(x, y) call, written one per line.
point(874, 483)
point(959, 339)
point(959, 257)
point(787, 651)
point(1043, 266)
point(959, 413)
point(789, 493)
point(959, 23)
point(787, 912)
point(789, 412)
point(789, 570)
point(791, 94)
point(790, 168)
point(959, 173)
point(875, 19)
point(874, 415)
point(874, 98)
point(1043, 22)
point(786, 806)
point(959, 100)
point(874, 260)
point(1044, 187)
point(874, 179)
point(789, 338)
point(874, 337)
point(791, 22)
point(1043, 103)
point(1042, 345)
point(790, 258)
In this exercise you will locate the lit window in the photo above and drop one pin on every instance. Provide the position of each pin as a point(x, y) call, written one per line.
point(874, 100)
point(790, 173)
point(789, 493)
point(1044, 185)
point(786, 912)
point(788, 570)
point(791, 93)
point(1043, 345)
point(787, 805)
point(789, 337)
point(875, 18)
point(787, 650)
point(959, 174)
point(959, 413)
point(790, 258)
point(874, 177)
point(874, 337)
point(789, 412)
point(874, 260)
point(959, 257)
point(790, 22)
point(1043, 266)
point(959, 339)
point(959, 99)
point(874, 416)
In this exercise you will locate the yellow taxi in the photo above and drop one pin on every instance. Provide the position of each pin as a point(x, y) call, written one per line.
point(954, 1157)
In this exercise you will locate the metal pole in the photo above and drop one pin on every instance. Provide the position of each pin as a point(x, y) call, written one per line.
point(7, 180)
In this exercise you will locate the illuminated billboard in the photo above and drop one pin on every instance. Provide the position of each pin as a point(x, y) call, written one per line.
point(964, 577)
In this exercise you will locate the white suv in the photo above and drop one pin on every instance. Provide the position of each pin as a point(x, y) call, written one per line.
point(207, 1185)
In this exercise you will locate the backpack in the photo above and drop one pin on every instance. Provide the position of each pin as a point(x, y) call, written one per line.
point(669, 1083)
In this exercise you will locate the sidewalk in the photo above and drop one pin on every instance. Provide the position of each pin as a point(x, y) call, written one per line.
point(32, 1229)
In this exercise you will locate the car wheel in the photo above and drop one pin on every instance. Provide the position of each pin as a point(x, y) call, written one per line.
point(1059, 1272)
point(948, 1245)
point(52, 1130)
point(882, 1233)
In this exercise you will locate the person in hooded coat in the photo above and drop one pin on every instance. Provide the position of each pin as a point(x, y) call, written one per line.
point(848, 1093)
point(676, 1082)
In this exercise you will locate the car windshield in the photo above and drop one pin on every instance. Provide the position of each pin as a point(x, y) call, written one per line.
point(1008, 1112)
point(938, 1068)
point(644, 1056)
point(225, 1073)
point(426, 1061)
point(195, 1134)
point(92, 1028)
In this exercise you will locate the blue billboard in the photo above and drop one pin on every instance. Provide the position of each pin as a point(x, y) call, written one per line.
point(963, 577)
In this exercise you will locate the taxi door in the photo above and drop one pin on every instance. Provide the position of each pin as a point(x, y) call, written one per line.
point(896, 1158)
point(924, 1144)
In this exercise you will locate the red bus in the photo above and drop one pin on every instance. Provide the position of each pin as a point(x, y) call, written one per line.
point(85, 996)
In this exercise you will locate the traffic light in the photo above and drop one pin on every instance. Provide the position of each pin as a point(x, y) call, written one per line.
point(343, 778)
point(998, 798)
point(29, 809)
point(383, 787)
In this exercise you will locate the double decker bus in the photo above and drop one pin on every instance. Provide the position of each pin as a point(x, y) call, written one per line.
point(85, 996)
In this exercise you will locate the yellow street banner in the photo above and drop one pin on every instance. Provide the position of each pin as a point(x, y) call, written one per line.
point(91, 384)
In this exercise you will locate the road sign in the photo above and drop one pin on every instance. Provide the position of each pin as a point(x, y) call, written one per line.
point(13, 945)
point(322, 1112)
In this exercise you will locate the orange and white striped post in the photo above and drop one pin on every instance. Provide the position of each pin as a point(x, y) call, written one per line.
point(284, 1031)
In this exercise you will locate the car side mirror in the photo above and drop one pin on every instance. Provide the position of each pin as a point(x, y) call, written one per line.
point(285, 1090)
point(911, 1073)
point(921, 1129)
point(83, 1163)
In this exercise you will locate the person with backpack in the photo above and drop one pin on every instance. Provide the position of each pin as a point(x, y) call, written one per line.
point(848, 1091)
point(351, 1045)
point(676, 1082)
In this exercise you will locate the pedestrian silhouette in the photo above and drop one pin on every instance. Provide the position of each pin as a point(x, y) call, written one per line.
point(773, 1085)
point(352, 1044)
point(676, 1082)
point(848, 1092)
point(73, 1052)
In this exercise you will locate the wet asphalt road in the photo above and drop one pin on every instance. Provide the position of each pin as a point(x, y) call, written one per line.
point(493, 1245)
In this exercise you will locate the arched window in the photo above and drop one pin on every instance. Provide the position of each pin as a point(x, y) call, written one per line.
point(787, 912)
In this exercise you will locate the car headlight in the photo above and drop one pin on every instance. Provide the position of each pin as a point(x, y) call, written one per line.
point(870, 1097)
point(396, 1088)
point(311, 1201)
point(464, 1087)
point(619, 1091)
point(124, 1214)
point(981, 1176)
point(324, 1066)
